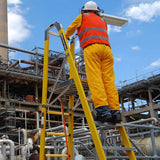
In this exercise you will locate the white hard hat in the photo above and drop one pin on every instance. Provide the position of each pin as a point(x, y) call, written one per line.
point(90, 5)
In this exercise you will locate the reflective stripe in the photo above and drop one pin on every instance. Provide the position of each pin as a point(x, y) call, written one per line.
point(93, 37)
point(86, 14)
point(92, 28)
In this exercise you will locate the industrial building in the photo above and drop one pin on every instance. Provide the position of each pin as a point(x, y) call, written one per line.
point(21, 105)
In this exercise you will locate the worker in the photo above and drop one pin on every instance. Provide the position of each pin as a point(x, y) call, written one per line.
point(93, 36)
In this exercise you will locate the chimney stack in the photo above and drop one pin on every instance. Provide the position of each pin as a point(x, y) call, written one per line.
point(3, 30)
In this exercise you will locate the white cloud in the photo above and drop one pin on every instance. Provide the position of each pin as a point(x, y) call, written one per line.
point(114, 29)
point(154, 64)
point(144, 11)
point(135, 48)
point(14, 1)
point(77, 45)
point(18, 27)
point(133, 33)
point(119, 59)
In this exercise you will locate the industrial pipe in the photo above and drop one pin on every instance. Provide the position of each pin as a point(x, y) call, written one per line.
point(146, 120)
point(11, 143)
point(37, 117)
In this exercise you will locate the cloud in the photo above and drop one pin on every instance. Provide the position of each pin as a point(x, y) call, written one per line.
point(18, 27)
point(154, 64)
point(114, 29)
point(135, 48)
point(144, 11)
point(133, 33)
point(14, 1)
point(119, 59)
point(77, 45)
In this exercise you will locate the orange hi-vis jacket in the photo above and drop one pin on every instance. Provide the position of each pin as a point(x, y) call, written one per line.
point(92, 30)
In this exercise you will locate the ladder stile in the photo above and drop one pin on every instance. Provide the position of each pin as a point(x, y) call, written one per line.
point(82, 96)
point(71, 105)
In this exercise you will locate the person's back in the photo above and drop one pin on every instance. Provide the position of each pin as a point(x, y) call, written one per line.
point(93, 29)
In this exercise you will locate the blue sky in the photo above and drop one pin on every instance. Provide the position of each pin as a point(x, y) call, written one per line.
point(135, 46)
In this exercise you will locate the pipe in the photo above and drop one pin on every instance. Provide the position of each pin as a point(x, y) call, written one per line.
point(25, 119)
point(19, 49)
point(37, 117)
point(23, 153)
point(22, 50)
point(146, 120)
point(1, 155)
point(24, 135)
point(11, 143)
point(64, 151)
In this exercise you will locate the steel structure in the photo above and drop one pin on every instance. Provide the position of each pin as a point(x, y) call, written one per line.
point(140, 99)
point(20, 79)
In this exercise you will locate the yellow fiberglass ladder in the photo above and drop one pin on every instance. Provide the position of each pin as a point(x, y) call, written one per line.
point(75, 77)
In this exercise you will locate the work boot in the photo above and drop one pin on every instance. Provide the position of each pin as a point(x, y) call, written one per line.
point(116, 116)
point(103, 114)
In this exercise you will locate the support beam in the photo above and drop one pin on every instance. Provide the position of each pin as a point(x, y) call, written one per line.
point(152, 111)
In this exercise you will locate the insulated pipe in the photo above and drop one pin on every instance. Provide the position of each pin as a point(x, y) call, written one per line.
point(37, 117)
point(11, 143)
point(24, 135)
point(23, 153)
point(146, 120)
point(3, 30)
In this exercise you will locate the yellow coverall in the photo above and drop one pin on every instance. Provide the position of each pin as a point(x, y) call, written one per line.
point(99, 70)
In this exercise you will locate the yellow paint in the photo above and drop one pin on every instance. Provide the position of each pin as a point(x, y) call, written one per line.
point(44, 99)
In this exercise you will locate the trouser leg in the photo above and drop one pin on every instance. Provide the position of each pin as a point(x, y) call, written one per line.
point(109, 78)
point(94, 76)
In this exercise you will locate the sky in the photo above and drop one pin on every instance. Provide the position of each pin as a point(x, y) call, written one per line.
point(135, 46)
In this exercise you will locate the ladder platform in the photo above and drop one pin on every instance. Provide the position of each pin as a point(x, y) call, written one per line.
point(108, 124)
point(116, 148)
point(72, 90)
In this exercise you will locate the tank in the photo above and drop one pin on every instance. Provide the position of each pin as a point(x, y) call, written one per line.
point(145, 144)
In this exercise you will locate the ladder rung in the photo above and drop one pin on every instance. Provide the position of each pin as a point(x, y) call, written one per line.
point(56, 134)
point(117, 148)
point(58, 113)
point(56, 155)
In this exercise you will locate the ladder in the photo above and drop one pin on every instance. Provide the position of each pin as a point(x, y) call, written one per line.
point(74, 75)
